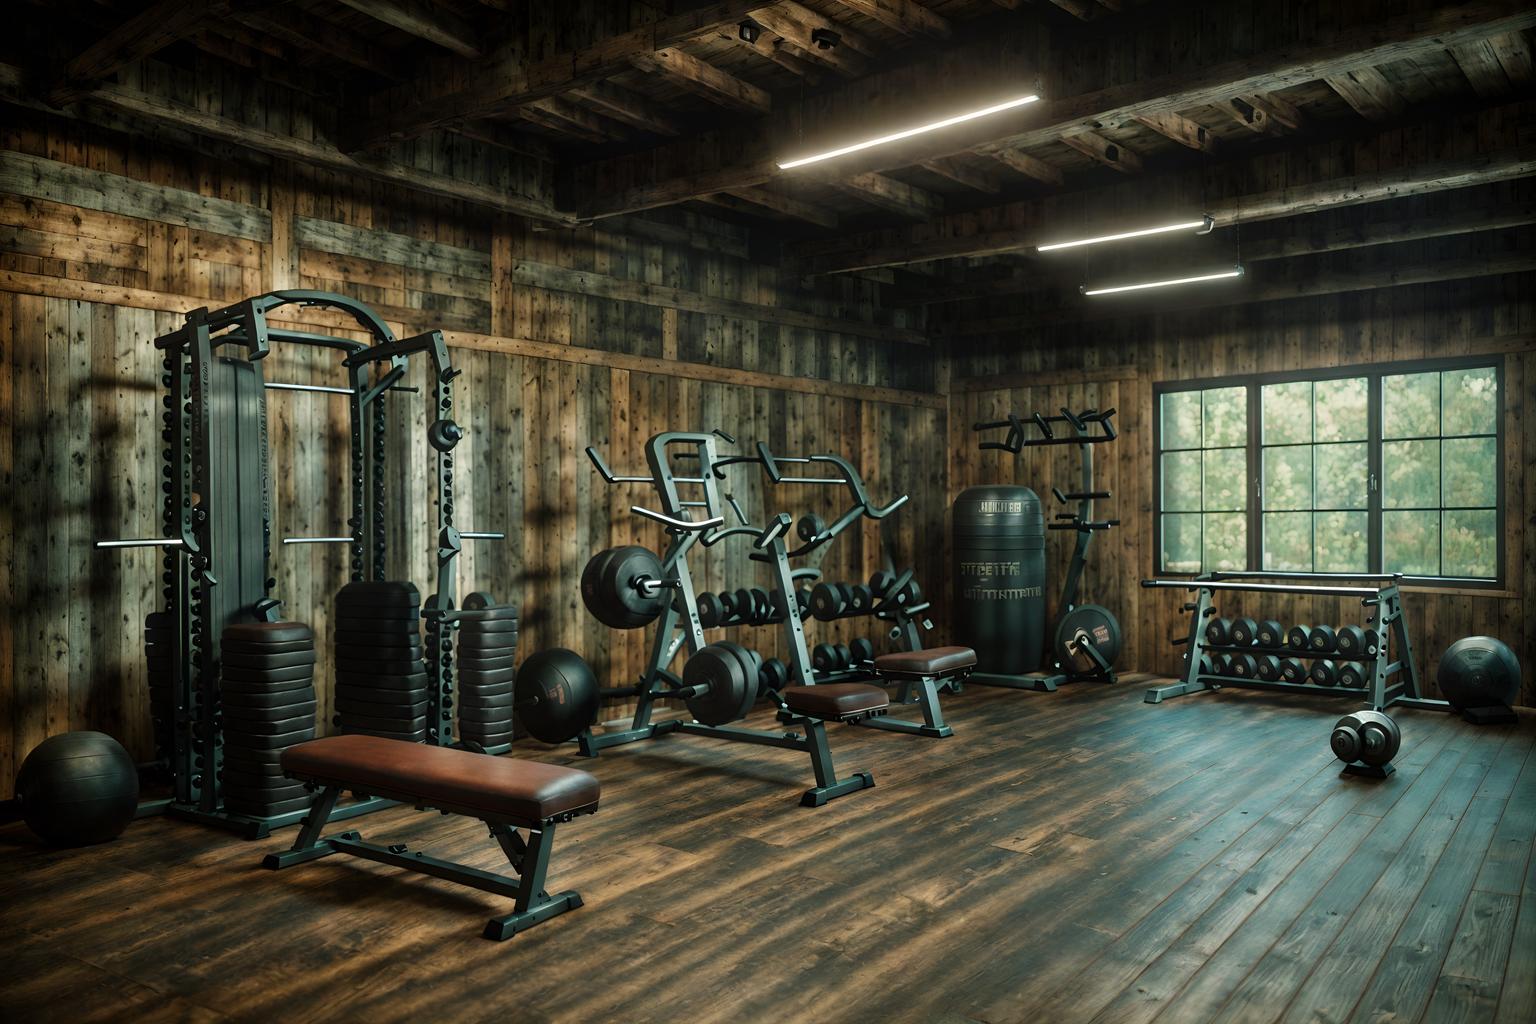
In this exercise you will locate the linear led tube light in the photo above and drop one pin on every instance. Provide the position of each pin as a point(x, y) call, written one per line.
point(907, 133)
point(1234, 272)
point(1202, 226)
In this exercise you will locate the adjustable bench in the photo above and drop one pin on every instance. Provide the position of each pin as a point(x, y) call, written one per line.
point(811, 707)
point(922, 675)
point(504, 793)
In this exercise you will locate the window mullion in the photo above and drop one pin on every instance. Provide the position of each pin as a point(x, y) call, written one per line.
point(1255, 465)
point(1373, 468)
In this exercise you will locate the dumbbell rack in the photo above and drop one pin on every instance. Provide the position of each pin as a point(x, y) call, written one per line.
point(1392, 671)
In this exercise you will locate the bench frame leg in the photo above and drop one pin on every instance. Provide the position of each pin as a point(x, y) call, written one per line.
point(933, 724)
point(529, 860)
point(828, 785)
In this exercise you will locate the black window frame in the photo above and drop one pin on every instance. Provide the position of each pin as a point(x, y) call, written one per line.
point(1374, 372)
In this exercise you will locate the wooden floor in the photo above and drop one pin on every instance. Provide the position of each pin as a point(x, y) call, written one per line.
point(1070, 857)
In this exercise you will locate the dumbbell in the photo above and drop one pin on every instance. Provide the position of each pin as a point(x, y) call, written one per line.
point(776, 606)
point(826, 658)
point(1269, 667)
point(1356, 642)
point(880, 582)
point(1323, 638)
point(1243, 666)
point(1207, 666)
point(1241, 632)
point(1218, 631)
point(711, 611)
point(762, 606)
point(1220, 665)
point(861, 652)
point(1324, 672)
point(861, 598)
point(1270, 634)
point(746, 606)
point(1352, 675)
point(1293, 670)
point(1368, 737)
point(1299, 638)
point(844, 656)
point(829, 600)
point(803, 600)
point(772, 675)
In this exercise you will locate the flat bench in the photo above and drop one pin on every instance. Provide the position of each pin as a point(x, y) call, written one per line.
point(811, 708)
point(920, 676)
point(504, 793)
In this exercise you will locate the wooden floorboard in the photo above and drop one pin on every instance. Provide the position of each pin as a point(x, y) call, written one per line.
point(1078, 856)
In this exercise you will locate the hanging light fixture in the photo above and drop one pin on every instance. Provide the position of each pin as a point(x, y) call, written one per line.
point(1236, 271)
point(907, 133)
point(1202, 226)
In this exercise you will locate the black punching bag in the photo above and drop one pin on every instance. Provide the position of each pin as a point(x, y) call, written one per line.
point(1000, 577)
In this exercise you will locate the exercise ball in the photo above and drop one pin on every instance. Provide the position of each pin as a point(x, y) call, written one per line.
point(1479, 672)
point(556, 695)
point(78, 788)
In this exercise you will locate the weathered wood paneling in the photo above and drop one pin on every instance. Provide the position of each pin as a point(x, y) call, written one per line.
point(105, 242)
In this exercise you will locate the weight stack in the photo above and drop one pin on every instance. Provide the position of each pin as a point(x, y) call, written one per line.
point(381, 677)
point(487, 649)
point(267, 703)
point(999, 574)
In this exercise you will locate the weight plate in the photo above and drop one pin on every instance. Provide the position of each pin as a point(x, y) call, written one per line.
point(486, 716)
point(481, 691)
point(480, 601)
point(710, 610)
point(494, 738)
point(379, 619)
point(252, 780)
point(485, 700)
point(487, 627)
point(277, 741)
point(265, 649)
point(490, 677)
point(419, 736)
point(234, 727)
point(253, 809)
point(374, 589)
point(391, 698)
point(233, 789)
point(267, 632)
point(491, 619)
point(388, 724)
point(880, 582)
point(718, 670)
point(751, 663)
point(826, 602)
point(610, 587)
point(384, 639)
point(239, 680)
point(382, 680)
point(352, 666)
point(263, 762)
point(266, 700)
point(487, 645)
point(469, 663)
point(268, 661)
point(557, 695)
point(1096, 624)
point(350, 707)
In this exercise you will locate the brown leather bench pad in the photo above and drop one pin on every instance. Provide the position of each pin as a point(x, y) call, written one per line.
point(835, 700)
point(934, 661)
point(459, 780)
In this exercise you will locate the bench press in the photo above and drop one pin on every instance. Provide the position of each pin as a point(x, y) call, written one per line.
point(506, 794)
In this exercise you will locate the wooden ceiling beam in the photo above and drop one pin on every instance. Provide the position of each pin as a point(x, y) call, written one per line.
point(424, 21)
point(506, 81)
point(321, 39)
point(905, 16)
point(864, 250)
point(150, 31)
point(897, 196)
point(561, 115)
point(1256, 78)
point(1369, 93)
point(1029, 166)
point(630, 107)
point(1514, 55)
point(787, 206)
point(965, 172)
point(1481, 65)
point(705, 79)
point(795, 23)
point(1077, 8)
point(1107, 152)
point(1181, 130)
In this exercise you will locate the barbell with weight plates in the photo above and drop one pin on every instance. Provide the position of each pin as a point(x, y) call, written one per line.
point(1242, 632)
point(717, 676)
point(614, 587)
point(1270, 634)
point(556, 695)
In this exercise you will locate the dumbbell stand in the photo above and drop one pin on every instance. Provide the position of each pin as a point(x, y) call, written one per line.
point(1391, 625)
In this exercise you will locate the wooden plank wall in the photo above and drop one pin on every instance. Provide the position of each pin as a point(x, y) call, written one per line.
point(105, 240)
point(1121, 359)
